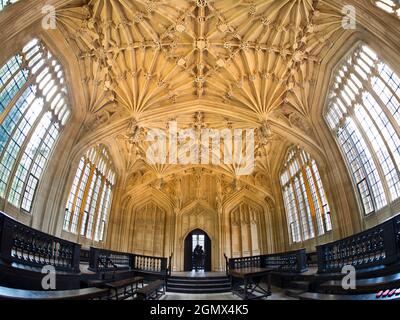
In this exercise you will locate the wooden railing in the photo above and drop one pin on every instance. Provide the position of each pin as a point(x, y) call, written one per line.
point(106, 260)
point(245, 262)
point(22, 244)
point(150, 264)
point(170, 264)
point(312, 259)
point(85, 255)
point(293, 262)
point(377, 246)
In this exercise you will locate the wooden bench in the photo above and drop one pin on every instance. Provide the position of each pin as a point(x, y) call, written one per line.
point(153, 291)
point(363, 286)
point(95, 283)
point(79, 294)
point(350, 297)
point(125, 284)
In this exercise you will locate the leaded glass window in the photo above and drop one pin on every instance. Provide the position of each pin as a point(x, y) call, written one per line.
point(33, 110)
point(305, 201)
point(89, 201)
point(363, 112)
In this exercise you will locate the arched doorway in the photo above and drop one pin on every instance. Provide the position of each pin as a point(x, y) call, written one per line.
point(197, 237)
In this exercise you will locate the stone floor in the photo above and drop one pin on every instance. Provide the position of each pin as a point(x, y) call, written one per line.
point(277, 294)
point(198, 274)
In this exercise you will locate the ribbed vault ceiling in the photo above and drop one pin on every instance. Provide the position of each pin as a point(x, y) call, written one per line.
point(239, 62)
point(254, 55)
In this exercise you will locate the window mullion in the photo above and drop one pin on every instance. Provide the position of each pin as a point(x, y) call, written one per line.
point(362, 167)
point(309, 199)
point(76, 196)
point(92, 203)
point(26, 120)
point(334, 101)
point(386, 111)
point(85, 198)
point(78, 204)
point(105, 216)
point(37, 152)
point(382, 136)
point(17, 125)
point(22, 151)
point(96, 196)
point(17, 96)
point(389, 87)
point(298, 199)
point(287, 210)
point(98, 208)
point(374, 158)
point(319, 197)
point(22, 66)
point(351, 115)
point(297, 213)
point(98, 218)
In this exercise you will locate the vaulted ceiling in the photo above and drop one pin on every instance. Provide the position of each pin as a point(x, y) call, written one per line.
point(214, 64)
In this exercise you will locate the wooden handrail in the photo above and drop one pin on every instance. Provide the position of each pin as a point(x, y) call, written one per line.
point(226, 264)
point(292, 262)
point(377, 246)
point(107, 260)
point(22, 244)
point(170, 264)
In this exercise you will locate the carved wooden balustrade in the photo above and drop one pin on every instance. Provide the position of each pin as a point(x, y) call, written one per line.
point(107, 260)
point(170, 264)
point(147, 264)
point(85, 255)
point(374, 247)
point(292, 262)
point(245, 262)
point(22, 244)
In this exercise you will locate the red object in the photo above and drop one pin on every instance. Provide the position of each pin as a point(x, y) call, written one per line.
point(385, 293)
point(379, 294)
point(397, 292)
point(391, 293)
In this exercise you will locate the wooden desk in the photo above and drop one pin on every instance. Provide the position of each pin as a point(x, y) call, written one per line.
point(79, 294)
point(96, 283)
point(153, 291)
point(250, 278)
point(125, 284)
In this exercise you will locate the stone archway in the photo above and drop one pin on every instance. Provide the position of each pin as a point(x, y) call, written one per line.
point(200, 237)
point(197, 216)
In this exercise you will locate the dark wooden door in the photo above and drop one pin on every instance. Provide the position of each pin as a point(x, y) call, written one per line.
point(188, 253)
point(207, 251)
point(188, 250)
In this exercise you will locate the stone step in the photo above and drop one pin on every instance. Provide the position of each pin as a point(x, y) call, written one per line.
point(198, 285)
point(199, 278)
point(199, 290)
point(202, 285)
point(194, 282)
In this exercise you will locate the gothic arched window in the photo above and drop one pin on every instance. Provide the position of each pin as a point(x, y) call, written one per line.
point(391, 6)
point(363, 111)
point(89, 201)
point(304, 197)
point(33, 110)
